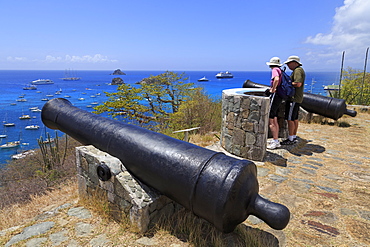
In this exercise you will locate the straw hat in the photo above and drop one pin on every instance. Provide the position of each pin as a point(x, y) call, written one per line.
point(274, 61)
point(293, 59)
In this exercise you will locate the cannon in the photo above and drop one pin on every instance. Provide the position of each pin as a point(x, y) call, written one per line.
point(221, 189)
point(325, 106)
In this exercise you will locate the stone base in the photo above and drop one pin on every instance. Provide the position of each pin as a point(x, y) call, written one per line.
point(244, 125)
point(126, 196)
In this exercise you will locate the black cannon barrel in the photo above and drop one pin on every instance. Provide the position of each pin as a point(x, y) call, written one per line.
point(326, 106)
point(219, 188)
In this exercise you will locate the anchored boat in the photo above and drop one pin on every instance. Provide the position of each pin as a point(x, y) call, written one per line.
point(226, 74)
point(42, 82)
point(203, 79)
point(10, 145)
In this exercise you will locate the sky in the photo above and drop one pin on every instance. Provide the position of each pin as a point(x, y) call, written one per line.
point(204, 35)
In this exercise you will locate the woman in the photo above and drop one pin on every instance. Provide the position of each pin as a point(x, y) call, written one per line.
point(276, 100)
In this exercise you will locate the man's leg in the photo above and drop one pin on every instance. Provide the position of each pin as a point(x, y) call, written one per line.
point(295, 127)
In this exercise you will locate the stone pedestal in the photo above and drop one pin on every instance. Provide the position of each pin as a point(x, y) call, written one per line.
point(125, 195)
point(245, 122)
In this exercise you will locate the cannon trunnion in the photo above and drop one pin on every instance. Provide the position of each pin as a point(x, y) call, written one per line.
point(219, 188)
point(325, 106)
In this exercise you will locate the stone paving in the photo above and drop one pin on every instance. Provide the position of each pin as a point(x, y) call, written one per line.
point(324, 180)
point(42, 234)
point(59, 227)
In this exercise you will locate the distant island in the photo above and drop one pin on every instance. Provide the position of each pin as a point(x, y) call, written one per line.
point(118, 72)
point(117, 81)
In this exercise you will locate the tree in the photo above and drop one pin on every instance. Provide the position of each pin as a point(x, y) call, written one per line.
point(149, 103)
point(199, 111)
point(355, 88)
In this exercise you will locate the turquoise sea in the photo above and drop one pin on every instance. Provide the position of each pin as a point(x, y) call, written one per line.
point(15, 101)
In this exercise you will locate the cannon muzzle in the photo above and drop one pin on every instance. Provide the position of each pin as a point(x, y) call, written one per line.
point(219, 188)
point(325, 106)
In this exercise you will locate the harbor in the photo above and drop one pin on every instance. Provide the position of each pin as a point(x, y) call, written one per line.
point(20, 108)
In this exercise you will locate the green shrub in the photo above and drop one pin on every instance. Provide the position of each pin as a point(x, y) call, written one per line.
point(355, 89)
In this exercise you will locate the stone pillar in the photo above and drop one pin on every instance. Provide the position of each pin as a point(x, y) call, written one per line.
point(245, 122)
point(124, 194)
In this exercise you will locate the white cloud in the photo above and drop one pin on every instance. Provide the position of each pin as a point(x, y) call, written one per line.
point(97, 58)
point(52, 59)
point(350, 32)
point(16, 59)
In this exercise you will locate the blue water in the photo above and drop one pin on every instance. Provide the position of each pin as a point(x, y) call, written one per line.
point(92, 84)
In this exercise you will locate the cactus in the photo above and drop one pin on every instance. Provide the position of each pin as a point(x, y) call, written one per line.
point(51, 152)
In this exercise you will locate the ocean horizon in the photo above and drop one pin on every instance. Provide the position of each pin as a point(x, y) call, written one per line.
point(89, 91)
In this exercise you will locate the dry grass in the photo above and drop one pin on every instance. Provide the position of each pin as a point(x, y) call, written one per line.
point(21, 179)
point(205, 140)
point(198, 232)
point(317, 119)
point(183, 228)
point(19, 214)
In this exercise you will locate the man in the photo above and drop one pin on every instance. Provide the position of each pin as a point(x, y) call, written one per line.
point(292, 106)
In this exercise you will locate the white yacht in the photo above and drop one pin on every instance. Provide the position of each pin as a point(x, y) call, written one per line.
point(226, 74)
point(42, 82)
point(203, 79)
point(9, 124)
point(36, 110)
point(24, 117)
point(32, 127)
point(23, 154)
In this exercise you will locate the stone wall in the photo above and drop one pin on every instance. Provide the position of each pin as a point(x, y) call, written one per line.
point(244, 123)
point(125, 195)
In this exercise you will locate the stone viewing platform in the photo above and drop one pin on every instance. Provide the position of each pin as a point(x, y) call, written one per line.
point(324, 180)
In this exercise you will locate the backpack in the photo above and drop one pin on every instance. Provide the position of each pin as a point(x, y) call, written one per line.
point(285, 89)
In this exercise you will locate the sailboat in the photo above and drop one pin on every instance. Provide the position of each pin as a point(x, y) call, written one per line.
point(69, 76)
point(6, 123)
point(3, 135)
point(9, 124)
point(30, 87)
point(24, 116)
point(13, 144)
point(58, 92)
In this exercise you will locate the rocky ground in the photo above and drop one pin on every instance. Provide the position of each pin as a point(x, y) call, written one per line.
point(324, 180)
